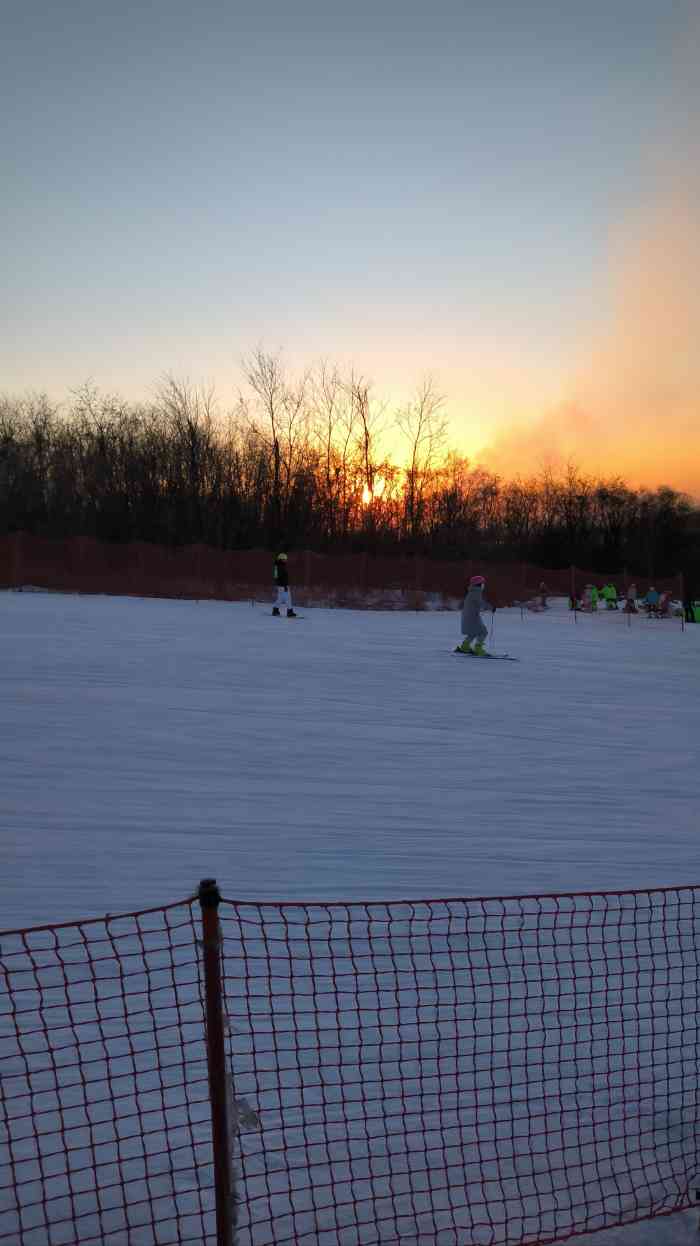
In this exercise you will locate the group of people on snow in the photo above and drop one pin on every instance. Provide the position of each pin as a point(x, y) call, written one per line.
point(475, 631)
point(592, 595)
point(654, 603)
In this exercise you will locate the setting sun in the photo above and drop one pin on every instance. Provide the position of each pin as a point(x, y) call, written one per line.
point(373, 494)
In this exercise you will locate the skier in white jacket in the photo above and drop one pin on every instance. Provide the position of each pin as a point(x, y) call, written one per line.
point(473, 627)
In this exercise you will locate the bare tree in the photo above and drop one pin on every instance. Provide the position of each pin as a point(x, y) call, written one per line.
point(265, 376)
point(295, 432)
point(189, 414)
point(282, 419)
point(368, 418)
point(369, 424)
point(333, 427)
point(424, 425)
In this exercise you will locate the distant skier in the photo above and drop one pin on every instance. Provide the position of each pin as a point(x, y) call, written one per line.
point(542, 593)
point(651, 601)
point(473, 627)
point(280, 576)
point(631, 599)
point(689, 607)
point(663, 607)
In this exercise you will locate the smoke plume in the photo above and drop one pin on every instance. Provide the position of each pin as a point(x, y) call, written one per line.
point(634, 407)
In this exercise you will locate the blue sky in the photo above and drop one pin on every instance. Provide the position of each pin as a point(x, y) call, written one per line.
point(403, 186)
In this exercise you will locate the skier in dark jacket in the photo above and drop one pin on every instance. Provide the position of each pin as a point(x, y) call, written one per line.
point(280, 577)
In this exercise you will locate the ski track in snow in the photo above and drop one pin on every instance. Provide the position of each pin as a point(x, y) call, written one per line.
point(147, 744)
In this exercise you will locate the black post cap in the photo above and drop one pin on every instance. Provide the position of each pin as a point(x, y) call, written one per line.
point(209, 894)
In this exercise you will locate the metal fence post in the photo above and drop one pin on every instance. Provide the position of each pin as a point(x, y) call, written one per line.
point(209, 899)
point(16, 547)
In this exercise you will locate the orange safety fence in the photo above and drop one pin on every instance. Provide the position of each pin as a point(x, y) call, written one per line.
point(505, 1071)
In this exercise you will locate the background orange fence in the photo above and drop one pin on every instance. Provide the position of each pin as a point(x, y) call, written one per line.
point(81, 564)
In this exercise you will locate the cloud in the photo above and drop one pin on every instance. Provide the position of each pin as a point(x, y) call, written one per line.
point(634, 407)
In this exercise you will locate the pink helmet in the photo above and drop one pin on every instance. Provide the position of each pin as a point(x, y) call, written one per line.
point(477, 581)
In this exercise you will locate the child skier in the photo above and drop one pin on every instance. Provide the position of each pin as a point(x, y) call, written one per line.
point(631, 599)
point(473, 626)
point(280, 577)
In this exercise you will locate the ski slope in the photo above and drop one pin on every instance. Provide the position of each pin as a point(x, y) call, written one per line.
point(147, 744)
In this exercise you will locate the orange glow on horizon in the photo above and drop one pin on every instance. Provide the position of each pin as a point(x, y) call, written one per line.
point(376, 492)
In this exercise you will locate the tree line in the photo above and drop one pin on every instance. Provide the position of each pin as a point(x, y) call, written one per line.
point(298, 462)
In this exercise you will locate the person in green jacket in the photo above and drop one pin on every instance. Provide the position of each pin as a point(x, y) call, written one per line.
point(594, 597)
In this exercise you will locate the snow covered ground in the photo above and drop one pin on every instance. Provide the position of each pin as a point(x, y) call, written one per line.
point(147, 744)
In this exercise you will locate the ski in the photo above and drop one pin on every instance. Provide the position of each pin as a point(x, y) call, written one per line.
point(491, 657)
point(294, 617)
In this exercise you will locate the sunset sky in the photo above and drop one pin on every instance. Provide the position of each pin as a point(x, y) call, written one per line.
point(502, 193)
